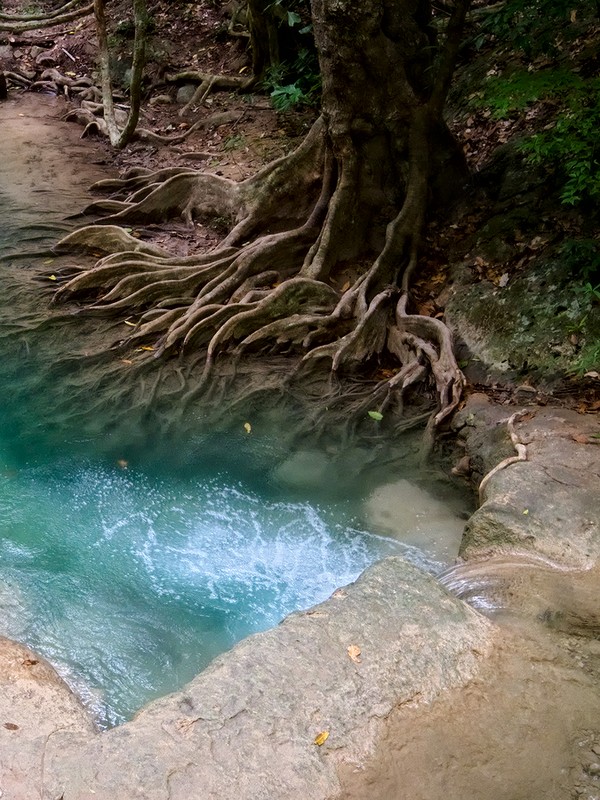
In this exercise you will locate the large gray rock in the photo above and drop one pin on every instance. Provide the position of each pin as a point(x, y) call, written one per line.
point(548, 504)
point(246, 727)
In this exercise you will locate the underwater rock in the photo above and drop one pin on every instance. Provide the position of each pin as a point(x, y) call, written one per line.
point(415, 517)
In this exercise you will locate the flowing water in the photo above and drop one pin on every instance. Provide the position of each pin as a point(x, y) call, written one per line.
point(127, 559)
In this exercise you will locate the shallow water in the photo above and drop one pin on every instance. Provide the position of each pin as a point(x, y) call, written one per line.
point(129, 559)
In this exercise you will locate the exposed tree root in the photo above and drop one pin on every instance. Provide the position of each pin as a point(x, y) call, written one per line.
point(67, 13)
point(261, 295)
point(521, 452)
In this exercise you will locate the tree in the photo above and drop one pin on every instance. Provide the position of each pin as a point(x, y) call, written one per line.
point(352, 197)
point(120, 137)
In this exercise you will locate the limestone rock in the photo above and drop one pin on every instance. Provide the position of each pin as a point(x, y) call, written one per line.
point(36, 706)
point(246, 728)
point(548, 504)
point(185, 93)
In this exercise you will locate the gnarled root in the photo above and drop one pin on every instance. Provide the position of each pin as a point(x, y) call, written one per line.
point(272, 292)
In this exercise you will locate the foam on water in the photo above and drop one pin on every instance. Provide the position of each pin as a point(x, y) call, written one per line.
point(130, 584)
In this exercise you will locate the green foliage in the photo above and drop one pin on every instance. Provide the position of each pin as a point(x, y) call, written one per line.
point(234, 142)
point(507, 95)
point(536, 26)
point(582, 257)
point(589, 359)
point(571, 146)
point(295, 83)
point(293, 13)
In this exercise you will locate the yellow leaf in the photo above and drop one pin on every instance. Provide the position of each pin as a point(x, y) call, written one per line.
point(526, 511)
point(243, 69)
point(146, 347)
point(49, 261)
point(321, 738)
point(354, 653)
point(247, 427)
point(132, 324)
point(52, 277)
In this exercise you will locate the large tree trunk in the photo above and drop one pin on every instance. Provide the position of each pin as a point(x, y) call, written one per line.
point(376, 61)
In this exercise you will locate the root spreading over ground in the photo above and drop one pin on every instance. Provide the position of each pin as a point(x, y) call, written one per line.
point(271, 285)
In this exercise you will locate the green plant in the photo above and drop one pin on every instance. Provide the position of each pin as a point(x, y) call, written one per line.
point(582, 258)
point(588, 360)
point(295, 83)
point(234, 142)
point(571, 146)
point(536, 26)
point(505, 95)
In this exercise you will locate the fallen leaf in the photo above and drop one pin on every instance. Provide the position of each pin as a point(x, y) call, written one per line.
point(148, 348)
point(29, 662)
point(354, 653)
point(581, 438)
point(320, 738)
point(10, 726)
point(376, 415)
point(345, 287)
point(127, 322)
point(526, 511)
point(52, 277)
point(126, 361)
point(122, 463)
point(49, 261)
point(247, 427)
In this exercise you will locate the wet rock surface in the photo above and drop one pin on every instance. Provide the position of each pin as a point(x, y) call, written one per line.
point(548, 504)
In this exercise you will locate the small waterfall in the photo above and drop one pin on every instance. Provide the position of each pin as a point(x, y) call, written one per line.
point(522, 585)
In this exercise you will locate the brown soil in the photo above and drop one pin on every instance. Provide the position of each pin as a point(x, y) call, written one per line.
point(196, 40)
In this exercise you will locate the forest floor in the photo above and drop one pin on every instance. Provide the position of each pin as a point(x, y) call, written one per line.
point(255, 134)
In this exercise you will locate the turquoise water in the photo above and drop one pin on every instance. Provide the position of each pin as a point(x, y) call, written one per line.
point(130, 558)
point(131, 582)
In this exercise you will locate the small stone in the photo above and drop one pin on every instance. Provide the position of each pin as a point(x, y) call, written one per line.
point(593, 769)
point(161, 100)
point(185, 93)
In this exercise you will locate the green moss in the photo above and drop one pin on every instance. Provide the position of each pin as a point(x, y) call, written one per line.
point(539, 324)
